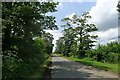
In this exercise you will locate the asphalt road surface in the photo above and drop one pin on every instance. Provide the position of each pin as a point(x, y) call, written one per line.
point(64, 68)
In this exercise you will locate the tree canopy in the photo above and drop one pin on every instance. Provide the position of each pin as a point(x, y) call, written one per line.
point(77, 34)
point(24, 40)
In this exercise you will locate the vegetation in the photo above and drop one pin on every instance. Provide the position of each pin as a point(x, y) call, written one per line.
point(78, 40)
point(96, 64)
point(26, 46)
point(38, 73)
point(105, 53)
point(118, 6)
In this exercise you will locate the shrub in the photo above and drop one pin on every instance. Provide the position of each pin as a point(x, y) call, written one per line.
point(112, 57)
point(10, 64)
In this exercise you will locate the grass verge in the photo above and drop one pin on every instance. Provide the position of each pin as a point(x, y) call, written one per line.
point(99, 65)
point(38, 73)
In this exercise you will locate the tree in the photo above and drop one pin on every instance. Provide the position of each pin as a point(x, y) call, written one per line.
point(118, 9)
point(69, 36)
point(118, 6)
point(82, 31)
point(60, 48)
point(22, 22)
point(108, 53)
point(19, 26)
point(48, 38)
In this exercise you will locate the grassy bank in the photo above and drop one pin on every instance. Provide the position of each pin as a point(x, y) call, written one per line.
point(38, 73)
point(99, 65)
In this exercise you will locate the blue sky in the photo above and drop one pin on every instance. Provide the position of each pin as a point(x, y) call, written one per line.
point(104, 16)
point(67, 8)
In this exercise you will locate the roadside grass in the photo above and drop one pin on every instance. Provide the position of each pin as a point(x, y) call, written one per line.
point(38, 73)
point(98, 65)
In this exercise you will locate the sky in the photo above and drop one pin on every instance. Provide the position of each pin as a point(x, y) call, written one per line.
point(103, 12)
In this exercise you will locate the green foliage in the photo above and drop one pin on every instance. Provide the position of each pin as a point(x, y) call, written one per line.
point(60, 46)
point(118, 6)
point(112, 57)
point(105, 53)
point(96, 64)
point(109, 53)
point(76, 37)
point(72, 54)
point(10, 64)
point(48, 38)
point(39, 45)
point(23, 36)
point(77, 41)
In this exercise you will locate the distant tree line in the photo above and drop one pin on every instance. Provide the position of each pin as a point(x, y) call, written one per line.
point(25, 44)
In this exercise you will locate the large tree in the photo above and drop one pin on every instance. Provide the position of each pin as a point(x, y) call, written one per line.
point(22, 22)
point(82, 30)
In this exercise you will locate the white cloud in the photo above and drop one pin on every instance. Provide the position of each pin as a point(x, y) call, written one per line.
point(56, 35)
point(104, 14)
point(107, 36)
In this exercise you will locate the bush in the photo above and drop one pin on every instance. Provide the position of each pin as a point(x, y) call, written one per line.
point(15, 67)
point(112, 57)
point(10, 64)
point(72, 54)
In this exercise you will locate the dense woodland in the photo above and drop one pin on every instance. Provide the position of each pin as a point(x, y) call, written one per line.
point(25, 44)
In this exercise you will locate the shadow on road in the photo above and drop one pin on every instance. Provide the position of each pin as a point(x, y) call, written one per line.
point(64, 69)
